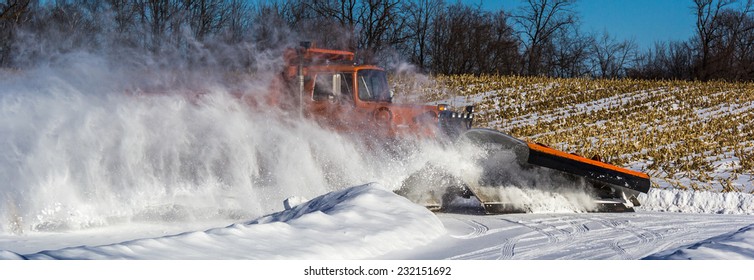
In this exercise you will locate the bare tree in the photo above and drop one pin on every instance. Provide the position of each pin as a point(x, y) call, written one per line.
point(568, 54)
point(69, 25)
point(743, 57)
point(124, 13)
point(420, 16)
point(163, 20)
point(470, 40)
point(369, 26)
point(733, 27)
point(269, 28)
point(671, 60)
point(294, 12)
point(707, 14)
point(502, 50)
point(236, 21)
point(612, 57)
point(539, 21)
point(12, 14)
point(14, 10)
point(337, 19)
point(381, 26)
point(206, 16)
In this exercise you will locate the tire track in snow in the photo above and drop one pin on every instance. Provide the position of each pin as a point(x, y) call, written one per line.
point(557, 238)
point(607, 241)
point(645, 238)
point(482, 254)
point(543, 230)
point(554, 237)
point(495, 252)
point(634, 236)
point(595, 236)
point(632, 240)
point(615, 246)
point(507, 251)
point(478, 229)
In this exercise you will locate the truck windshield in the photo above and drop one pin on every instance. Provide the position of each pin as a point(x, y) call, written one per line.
point(373, 86)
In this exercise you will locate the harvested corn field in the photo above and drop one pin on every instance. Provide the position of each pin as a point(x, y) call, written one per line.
point(686, 135)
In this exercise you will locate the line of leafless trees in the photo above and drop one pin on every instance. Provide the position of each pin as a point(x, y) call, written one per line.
point(722, 48)
point(542, 37)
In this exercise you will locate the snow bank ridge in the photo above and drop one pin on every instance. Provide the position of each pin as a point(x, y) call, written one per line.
point(704, 202)
point(359, 222)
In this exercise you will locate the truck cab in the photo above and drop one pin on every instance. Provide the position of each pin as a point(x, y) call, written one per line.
point(328, 86)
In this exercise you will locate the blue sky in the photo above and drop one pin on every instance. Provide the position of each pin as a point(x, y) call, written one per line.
point(644, 21)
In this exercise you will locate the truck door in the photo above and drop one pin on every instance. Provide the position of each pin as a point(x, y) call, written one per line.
point(332, 99)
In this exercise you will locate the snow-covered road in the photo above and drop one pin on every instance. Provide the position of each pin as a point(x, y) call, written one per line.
point(370, 222)
point(623, 236)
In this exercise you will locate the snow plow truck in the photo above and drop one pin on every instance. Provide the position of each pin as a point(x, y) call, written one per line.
point(328, 86)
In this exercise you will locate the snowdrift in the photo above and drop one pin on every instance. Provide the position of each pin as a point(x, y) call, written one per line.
point(737, 245)
point(358, 222)
point(702, 202)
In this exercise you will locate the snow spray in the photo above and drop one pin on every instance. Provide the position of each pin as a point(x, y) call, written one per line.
point(86, 144)
point(109, 133)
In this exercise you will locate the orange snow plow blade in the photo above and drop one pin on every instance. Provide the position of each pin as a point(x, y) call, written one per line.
point(596, 170)
point(615, 188)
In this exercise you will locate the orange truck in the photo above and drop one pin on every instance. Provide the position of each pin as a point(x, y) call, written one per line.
point(328, 86)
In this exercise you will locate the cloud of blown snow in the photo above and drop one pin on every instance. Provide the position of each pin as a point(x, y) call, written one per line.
point(534, 190)
point(108, 131)
point(91, 142)
point(80, 151)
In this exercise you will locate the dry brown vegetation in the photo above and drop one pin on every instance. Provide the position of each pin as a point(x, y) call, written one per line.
point(695, 135)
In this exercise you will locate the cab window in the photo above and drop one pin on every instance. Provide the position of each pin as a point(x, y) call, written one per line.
point(333, 87)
